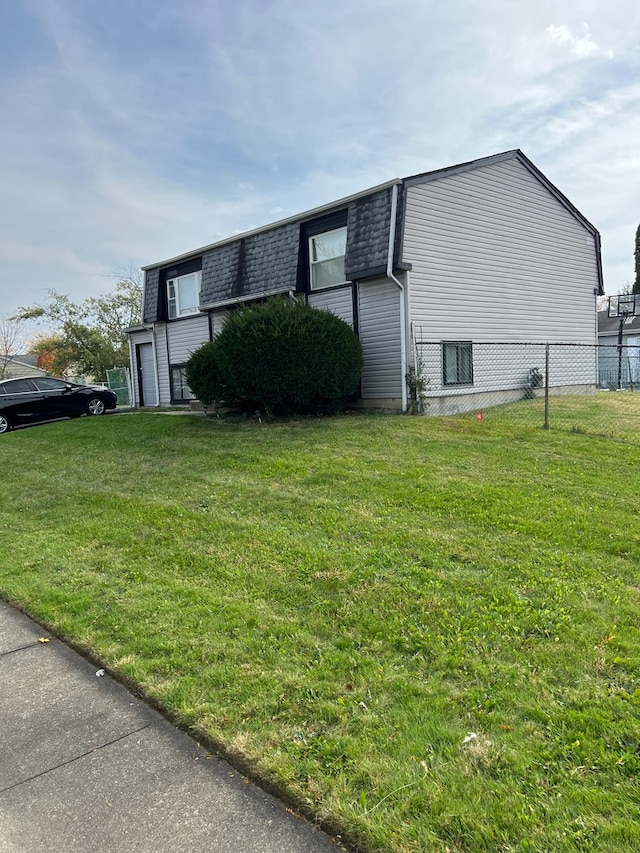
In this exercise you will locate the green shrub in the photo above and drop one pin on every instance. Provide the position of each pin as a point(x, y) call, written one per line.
point(203, 375)
point(281, 356)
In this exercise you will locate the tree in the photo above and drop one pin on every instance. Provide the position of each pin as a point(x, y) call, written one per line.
point(636, 284)
point(87, 337)
point(13, 341)
point(53, 352)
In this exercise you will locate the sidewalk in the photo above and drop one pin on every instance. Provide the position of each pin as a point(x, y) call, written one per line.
point(85, 766)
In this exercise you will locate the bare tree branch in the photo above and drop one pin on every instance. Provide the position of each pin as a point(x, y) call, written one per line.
point(13, 341)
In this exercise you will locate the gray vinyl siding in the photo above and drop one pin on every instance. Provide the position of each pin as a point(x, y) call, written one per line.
point(162, 362)
point(379, 330)
point(185, 336)
point(610, 340)
point(339, 301)
point(16, 369)
point(506, 367)
point(497, 257)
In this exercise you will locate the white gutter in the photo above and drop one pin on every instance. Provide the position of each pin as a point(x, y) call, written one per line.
point(248, 297)
point(403, 293)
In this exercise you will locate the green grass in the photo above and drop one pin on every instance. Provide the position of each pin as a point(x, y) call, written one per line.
point(340, 603)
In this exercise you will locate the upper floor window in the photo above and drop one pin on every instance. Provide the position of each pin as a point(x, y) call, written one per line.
point(457, 362)
point(183, 294)
point(326, 255)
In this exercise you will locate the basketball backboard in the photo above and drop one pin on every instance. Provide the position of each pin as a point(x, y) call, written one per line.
point(624, 306)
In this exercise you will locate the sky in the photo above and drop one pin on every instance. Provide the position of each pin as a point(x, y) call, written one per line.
point(136, 131)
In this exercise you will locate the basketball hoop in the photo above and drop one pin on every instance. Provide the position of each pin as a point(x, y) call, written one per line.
point(627, 305)
point(623, 307)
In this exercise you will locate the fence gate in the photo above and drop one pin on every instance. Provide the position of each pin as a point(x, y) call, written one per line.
point(118, 380)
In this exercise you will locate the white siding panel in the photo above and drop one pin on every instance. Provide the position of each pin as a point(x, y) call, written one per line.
point(495, 256)
point(339, 301)
point(162, 362)
point(379, 328)
point(506, 367)
point(185, 336)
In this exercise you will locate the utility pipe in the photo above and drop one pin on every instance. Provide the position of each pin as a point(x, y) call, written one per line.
point(403, 294)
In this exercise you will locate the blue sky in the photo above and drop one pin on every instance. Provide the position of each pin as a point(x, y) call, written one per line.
point(134, 131)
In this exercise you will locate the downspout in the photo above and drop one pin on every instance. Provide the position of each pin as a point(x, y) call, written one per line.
point(403, 293)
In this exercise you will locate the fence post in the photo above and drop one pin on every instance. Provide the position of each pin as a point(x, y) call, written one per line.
point(546, 386)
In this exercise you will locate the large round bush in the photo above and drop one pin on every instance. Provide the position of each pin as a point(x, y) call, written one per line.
point(203, 375)
point(283, 356)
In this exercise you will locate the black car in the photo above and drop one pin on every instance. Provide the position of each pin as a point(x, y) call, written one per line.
point(41, 398)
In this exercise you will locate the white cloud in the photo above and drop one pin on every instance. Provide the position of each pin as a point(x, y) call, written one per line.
point(582, 46)
point(156, 128)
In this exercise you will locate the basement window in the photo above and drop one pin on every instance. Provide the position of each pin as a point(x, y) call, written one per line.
point(457, 363)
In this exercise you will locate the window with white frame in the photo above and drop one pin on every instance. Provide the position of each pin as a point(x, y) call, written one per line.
point(183, 294)
point(457, 363)
point(180, 391)
point(326, 257)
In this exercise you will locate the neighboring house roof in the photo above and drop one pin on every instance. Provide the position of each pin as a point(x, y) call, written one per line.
point(26, 359)
point(611, 325)
point(21, 365)
point(268, 259)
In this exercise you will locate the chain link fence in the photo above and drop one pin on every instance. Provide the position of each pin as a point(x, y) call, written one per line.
point(578, 387)
point(119, 380)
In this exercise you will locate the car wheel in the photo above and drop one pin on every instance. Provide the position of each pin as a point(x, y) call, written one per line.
point(95, 406)
point(5, 424)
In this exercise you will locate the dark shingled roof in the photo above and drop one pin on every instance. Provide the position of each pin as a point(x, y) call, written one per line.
point(368, 225)
point(261, 262)
point(267, 260)
point(273, 258)
point(150, 309)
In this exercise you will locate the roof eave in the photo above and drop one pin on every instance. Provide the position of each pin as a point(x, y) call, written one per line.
point(299, 217)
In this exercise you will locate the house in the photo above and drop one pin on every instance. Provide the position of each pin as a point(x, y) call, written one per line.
point(15, 366)
point(619, 344)
point(479, 253)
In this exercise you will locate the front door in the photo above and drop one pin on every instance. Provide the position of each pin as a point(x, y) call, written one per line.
point(146, 375)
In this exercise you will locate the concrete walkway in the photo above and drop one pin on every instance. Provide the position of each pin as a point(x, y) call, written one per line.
point(85, 766)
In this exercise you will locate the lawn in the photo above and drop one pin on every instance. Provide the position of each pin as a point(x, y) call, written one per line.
point(422, 631)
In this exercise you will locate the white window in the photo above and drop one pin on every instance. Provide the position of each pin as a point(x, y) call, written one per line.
point(326, 255)
point(183, 295)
